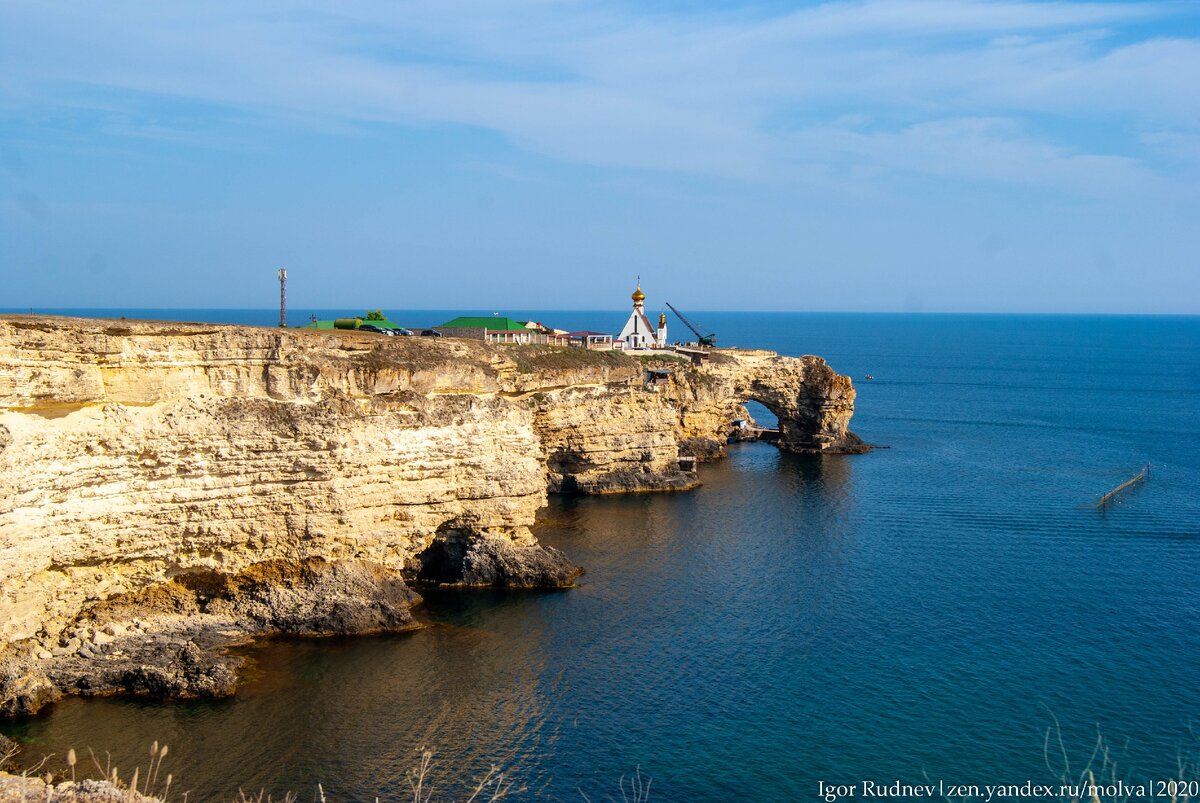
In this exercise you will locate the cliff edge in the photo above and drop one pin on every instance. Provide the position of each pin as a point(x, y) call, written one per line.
point(168, 490)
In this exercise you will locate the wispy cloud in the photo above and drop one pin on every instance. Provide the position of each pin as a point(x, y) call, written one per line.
point(504, 171)
point(994, 150)
point(949, 86)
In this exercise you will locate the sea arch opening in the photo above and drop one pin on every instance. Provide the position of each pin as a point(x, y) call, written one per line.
point(761, 414)
point(756, 420)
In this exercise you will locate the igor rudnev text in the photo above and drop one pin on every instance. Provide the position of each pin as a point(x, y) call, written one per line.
point(1116, 790)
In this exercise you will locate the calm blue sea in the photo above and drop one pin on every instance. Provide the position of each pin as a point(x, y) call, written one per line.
point(921, 612)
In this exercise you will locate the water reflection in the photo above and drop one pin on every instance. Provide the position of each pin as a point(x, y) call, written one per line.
point(561, 688)
point(350, 714)
point(797, 617)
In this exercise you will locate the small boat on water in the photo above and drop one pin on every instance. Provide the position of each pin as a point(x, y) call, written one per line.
point(869, 376)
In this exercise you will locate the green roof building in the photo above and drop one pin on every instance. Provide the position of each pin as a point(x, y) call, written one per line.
point(492, 324)
point(494, 329)
point(352, 322)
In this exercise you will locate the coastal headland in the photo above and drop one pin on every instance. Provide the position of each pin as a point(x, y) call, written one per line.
point(170, 490)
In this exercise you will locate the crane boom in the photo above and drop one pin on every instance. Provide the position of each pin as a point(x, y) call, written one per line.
point(709, 339)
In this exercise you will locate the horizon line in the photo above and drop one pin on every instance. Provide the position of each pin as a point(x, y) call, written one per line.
point(34, 310)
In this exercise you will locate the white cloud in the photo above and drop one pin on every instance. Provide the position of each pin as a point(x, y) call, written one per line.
point(729, 94)
point(983, 149)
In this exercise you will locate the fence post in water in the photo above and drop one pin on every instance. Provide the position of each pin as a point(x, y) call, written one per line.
point(1141, 476)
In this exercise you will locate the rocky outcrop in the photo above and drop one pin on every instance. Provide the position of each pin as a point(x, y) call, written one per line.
point(459, 559)
point(813, 403)
point(167, 490)
point(170, 640)
point(22, 789)
point(600, 440)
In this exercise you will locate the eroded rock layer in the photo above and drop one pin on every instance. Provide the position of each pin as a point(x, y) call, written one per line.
point(302, 477)
point(814, 404)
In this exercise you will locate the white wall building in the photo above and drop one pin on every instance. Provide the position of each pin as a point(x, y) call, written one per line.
point(639, 333)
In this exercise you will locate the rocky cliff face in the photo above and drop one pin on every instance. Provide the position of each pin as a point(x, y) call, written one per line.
point(813, 403)
point(169, 489)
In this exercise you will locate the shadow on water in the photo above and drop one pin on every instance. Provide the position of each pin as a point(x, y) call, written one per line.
point(561, 688)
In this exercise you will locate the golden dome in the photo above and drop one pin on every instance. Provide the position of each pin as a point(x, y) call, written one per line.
point(638, 295)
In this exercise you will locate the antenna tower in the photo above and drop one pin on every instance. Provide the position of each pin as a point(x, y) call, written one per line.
point(283, 298)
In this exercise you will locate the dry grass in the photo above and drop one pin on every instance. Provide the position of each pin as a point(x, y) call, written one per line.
point(635, 790)
point(151, 782)
point(263, 797)
point(1103, 777)
point(1090, 781)
point(148, 782)
point(492, 786)
point(537, 358)
point(668, 360)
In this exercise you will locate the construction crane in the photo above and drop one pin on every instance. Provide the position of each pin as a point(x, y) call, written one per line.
point(709, 339)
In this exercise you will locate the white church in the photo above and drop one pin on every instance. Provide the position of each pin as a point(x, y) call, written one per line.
point(639, 333)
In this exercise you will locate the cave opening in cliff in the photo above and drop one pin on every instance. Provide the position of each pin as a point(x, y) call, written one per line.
point(442, 561)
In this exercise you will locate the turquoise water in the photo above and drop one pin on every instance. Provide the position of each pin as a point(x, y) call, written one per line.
point(924, 611)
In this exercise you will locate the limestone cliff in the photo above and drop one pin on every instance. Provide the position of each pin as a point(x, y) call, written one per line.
point(169, 489)
point(813, 403)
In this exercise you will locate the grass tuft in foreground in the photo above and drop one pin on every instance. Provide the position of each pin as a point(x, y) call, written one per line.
point(150, 785)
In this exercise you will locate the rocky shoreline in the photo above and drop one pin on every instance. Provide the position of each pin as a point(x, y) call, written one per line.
point(172, 641)
point(21, 789)
point(170, 491)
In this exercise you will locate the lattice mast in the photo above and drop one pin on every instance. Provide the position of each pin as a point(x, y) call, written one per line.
point(283, 298)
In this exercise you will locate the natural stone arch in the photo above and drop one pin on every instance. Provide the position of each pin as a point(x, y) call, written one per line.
point(811, 401)
point(757, 427)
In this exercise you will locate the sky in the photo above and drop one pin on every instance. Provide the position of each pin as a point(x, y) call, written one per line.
point(873, 155)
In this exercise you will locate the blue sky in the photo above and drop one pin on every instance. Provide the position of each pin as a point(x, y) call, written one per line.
point(877, 155)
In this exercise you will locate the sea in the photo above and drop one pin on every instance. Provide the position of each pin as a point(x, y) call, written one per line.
point(952, 609)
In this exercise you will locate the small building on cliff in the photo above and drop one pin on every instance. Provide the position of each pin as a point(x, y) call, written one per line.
point(591, 340)
point(548, 334)
point(349, 322)
point(493, 330)
point(638, 332)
